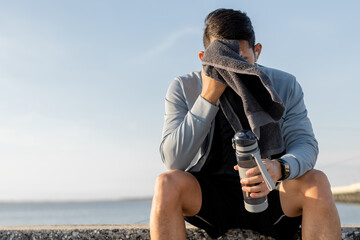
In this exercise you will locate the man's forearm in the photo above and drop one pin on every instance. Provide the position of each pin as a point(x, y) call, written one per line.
point(184, 134)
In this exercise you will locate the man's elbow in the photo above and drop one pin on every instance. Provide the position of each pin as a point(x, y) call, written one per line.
point(175, 156)
point(173, 164)
point(315, 148)
point(171, 161)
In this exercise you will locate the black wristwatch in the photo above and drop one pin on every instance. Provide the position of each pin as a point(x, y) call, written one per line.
point(285, 169)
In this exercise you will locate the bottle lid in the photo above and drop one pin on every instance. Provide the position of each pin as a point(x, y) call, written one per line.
point(244, 138)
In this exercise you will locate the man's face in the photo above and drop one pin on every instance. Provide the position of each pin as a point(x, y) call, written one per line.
point(246, 51)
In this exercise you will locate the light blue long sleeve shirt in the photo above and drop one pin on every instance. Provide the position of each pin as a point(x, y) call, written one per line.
point(188, 124)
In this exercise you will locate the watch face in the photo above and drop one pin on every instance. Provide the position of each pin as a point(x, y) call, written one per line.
point(285, 169)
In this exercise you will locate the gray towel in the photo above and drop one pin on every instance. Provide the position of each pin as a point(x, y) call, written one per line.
point(260, 102)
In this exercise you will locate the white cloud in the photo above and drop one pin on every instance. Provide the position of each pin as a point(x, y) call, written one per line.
point(168, 42)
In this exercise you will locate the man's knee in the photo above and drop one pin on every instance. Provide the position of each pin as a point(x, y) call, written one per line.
point(175, 189)
point(315, 178)
point(169, 185)
point(316, 184)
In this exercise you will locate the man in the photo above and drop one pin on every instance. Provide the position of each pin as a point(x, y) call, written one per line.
point(203, 185)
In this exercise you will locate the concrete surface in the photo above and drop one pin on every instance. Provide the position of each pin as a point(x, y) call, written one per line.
point(138, 231)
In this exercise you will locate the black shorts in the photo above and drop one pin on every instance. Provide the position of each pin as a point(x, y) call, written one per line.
point(223, 209)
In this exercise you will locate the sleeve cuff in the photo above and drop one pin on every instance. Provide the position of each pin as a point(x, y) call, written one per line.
point(293, 164)
point(203, 110)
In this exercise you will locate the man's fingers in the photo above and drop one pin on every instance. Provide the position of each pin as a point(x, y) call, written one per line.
point(259, 194)
point(253, 189)
point(256, 191)
point(256, 170)
point(252, 171)
point(252, 180)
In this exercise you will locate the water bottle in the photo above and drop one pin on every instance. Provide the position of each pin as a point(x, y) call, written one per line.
point(248, 156)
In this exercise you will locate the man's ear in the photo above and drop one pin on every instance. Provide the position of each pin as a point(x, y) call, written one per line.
point(201, 54)
point(257, 50)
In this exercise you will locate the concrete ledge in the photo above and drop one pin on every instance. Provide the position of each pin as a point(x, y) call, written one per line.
point(350, 193)
point(347, 197)
point(138, 231)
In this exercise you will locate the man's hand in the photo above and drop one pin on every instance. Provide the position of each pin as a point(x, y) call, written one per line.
point(211, 89)
point(254, 176)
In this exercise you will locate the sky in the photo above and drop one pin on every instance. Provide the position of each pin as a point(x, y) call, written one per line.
point(82, 87)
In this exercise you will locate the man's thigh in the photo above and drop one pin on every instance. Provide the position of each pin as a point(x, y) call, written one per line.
point(293, 193)
point(291, 197)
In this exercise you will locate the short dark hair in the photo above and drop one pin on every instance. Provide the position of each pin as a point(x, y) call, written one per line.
point(228, 24)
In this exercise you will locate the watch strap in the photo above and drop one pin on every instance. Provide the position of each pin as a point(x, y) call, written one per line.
point(285, 169)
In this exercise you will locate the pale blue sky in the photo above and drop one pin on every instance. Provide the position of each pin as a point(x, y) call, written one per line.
point(82, 87)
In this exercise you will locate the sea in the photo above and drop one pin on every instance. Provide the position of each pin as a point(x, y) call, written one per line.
point(105, 212)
